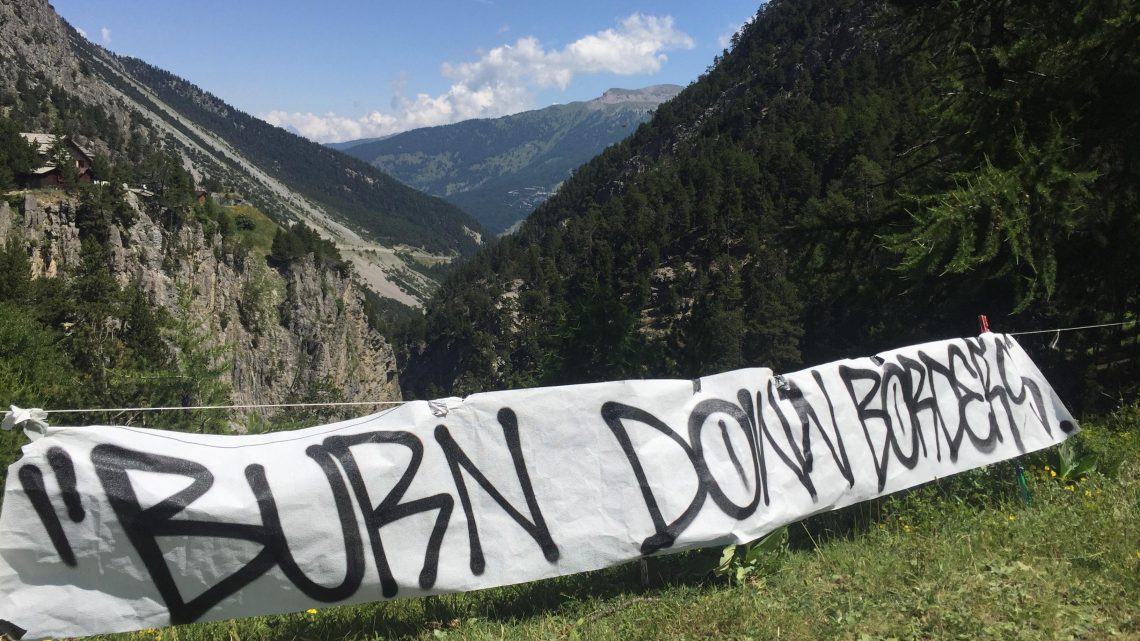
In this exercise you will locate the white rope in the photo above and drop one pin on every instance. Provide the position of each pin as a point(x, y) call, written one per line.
point(358, 403)
point(222, 407)
point(1068, 329)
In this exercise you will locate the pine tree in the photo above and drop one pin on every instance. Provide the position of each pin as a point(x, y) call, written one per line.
point(17, 156)
point(15, 271)
point(197, 371)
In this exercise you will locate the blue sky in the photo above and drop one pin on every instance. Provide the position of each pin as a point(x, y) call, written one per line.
point(346, 69)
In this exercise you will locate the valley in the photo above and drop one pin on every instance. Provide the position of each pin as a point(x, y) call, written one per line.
point(709, 284)
point(499, 170)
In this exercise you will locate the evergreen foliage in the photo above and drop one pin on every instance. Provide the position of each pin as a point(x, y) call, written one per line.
point(499, 169)
point(298, 241)
point(82, 340)
point(850, 177)
point(17, 156)
point(1007, 220)
point(1037, 113)
point(196, 375)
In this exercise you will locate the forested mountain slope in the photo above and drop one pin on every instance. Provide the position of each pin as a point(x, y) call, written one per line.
point(55, 80)
point(126, 287)
point(498, 170)
point(367, 199)
point(851, 176)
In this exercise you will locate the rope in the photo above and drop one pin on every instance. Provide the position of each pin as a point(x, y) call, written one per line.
point(1068, 329)
point(221, 407)
point(358, 403)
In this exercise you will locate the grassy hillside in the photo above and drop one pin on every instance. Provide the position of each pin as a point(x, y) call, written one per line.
point(966, 558)
point(254, 228)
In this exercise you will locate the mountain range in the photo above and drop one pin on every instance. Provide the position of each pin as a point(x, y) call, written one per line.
point(108, 103)
point(125, 283)
point(498, 170)
point(849, 177)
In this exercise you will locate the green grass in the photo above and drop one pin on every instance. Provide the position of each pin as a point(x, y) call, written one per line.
point(966, 559)
point(260, 238)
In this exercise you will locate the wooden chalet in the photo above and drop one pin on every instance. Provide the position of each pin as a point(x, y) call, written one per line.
point(50, 172)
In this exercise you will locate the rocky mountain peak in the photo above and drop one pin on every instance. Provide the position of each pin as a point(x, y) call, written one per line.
point(646, 97)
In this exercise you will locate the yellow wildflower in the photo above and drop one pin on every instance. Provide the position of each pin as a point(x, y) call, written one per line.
point(1012, 517)
point(1071, 488)
point(1052, 473)
point(1088, 493)
point(1047, 468)
point(311, 611)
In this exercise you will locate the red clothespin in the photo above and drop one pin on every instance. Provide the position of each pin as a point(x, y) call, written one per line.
point(983, 324)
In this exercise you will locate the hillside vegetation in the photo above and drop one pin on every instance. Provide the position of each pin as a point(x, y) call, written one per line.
point(498, 170)
point(849, 177)
point(367, 199)
point(134, 118)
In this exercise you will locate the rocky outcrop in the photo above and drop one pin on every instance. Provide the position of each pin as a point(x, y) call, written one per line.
point(33, 37)
point(119, 107)
point(286, 332)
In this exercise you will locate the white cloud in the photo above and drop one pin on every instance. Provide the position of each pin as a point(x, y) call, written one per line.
point(503, 80)
point(330, 127)
point(106, 34)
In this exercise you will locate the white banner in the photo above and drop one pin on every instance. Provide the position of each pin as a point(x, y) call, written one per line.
point(111, 528)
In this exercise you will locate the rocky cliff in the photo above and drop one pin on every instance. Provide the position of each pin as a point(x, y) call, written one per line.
point(287, 332)
point(53, 79)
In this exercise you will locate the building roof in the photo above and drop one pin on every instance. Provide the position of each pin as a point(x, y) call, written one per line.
point(44, 143)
